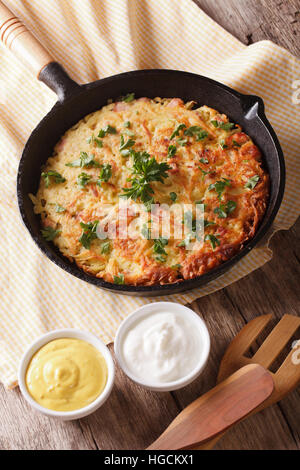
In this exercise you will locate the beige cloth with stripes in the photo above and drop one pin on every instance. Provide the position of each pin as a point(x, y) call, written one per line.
point(94, 39)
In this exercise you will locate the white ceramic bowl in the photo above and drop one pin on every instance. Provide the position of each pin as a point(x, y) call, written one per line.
point(67, 333)
point(151, 309)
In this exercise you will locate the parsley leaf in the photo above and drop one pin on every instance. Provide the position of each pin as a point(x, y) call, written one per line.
point(159, 245)
point(171, 151)
point(50, 233)
point(128, 98)
point(105, 174)
point(204, 160)
point(145, 170)
point(182, 142)
point(94, 140)
point(186, 241)
point(176, 266)
point(119, 279)
point(225, 209)
point(252, 182)
point(146, 232)
point(48, 175)
point(213, 240)
point(107, 130)
point(59, 208)
point(177, 130)
point(83, 179)
point(207, 223)
point(226, 126)
point(173, 196)
point(83, 161)
point(161, 258)
point(196, 131)
point(105, 248)
point(125, 146)
point(127, 124)
point(223, 145)
point(219, 187)
point(204, 173)
point(88, 233)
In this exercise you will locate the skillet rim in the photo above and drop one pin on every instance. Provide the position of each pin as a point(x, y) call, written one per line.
point(247, 102)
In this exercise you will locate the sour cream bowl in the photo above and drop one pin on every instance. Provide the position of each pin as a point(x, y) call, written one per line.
point(162, 346)
point(72, 334)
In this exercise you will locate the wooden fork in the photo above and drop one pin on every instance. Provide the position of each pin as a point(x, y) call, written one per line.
point(242, 381)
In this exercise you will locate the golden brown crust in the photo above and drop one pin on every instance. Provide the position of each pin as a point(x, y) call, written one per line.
point(225, 154)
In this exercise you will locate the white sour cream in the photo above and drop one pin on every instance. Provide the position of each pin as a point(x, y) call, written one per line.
point(162, 347)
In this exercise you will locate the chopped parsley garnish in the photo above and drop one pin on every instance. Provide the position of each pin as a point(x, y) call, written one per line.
point(88, 233)
point(186, 241)
point(176, 266)
point(159, 245)
point(182, 142)
point(146, 231)
point(225, 209)
point(94, 140)
point(83, 179)
point(213, 240)
point(50, 233)
point(207, 223)
point(173, 196)
point(125, 146)
point(235, 143)
point(145, 170)
point(204, 173)
point(107, 130)
point(85, 160)
point(171, 151)
point(51, 174)
point(223, 145)
point(196, 131)
point(128, 98)
point(119, 279)
point(204, 160)
point(189, 221)
point(252, 182)
point(59, 209)
point(177, 130)
point(105, 248)
point(105, 174)
point(219, 187)
point(127, 124)
point(160, 258)
point(226, 126)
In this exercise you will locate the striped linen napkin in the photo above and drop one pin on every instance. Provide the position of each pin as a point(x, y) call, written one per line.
point(95, 39)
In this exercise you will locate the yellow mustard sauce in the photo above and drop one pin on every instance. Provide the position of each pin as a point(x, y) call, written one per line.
point(66, 374)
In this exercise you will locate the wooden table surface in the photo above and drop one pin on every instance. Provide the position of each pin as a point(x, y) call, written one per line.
point(133, 417)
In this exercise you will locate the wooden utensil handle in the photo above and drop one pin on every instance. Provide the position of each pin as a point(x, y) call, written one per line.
point(22, 42)
point(210, 415)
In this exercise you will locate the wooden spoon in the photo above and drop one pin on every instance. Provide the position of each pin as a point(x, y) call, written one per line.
point(246, 387)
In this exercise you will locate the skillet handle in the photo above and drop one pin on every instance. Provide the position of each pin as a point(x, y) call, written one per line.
point(22, 42)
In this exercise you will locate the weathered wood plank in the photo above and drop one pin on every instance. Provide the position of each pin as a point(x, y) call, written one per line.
point(132, 417)
point(23, 429)
point(255, 20)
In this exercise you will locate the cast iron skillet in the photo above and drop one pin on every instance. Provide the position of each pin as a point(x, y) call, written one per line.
point(76, 101)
